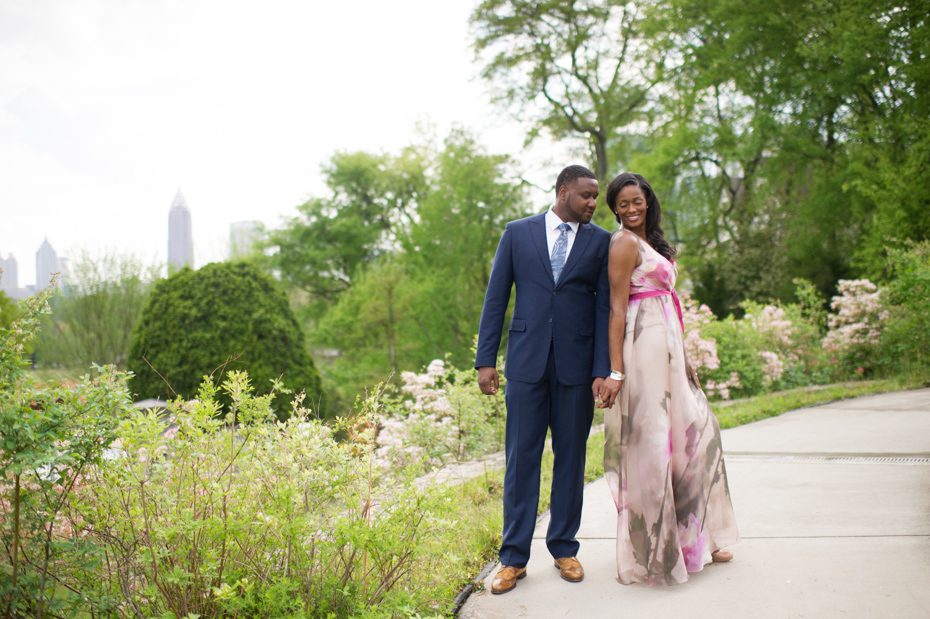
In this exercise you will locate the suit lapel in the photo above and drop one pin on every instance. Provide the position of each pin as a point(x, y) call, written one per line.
point(538, 232)
point(578, 249)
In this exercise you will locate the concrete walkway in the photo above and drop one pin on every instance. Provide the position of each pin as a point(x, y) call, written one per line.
point(833, 504)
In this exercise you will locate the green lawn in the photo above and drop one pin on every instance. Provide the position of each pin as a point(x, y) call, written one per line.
point(747, 410)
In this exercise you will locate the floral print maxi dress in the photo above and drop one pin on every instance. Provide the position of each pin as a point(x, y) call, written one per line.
point(662, 456)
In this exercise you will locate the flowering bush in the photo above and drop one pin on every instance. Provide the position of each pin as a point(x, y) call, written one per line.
point(439, 415)
point(701, 352)
point(771, 347)
point(855, 325)
point(244, 515)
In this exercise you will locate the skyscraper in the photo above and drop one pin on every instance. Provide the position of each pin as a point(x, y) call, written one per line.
point(180, 238)
point(243, 235)
point(46, 264)
point(9, 279)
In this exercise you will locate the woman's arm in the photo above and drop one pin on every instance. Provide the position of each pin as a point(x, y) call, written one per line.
point(622, 259)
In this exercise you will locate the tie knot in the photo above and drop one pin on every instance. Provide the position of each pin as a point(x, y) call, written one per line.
point(564, 227)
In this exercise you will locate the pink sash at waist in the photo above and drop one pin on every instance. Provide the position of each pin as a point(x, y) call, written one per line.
point(646, 294)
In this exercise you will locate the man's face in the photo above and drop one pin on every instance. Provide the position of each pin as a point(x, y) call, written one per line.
point(578, 199)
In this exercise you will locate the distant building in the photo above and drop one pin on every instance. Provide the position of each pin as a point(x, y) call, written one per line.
point(46, 263)
point(9, 279)
point(243, 236)
point(180, 237)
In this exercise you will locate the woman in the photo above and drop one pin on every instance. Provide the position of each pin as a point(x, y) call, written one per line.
point(663, 458)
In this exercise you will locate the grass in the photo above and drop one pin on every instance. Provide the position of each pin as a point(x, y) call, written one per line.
point(748, 410)
point(479, 502)
point(476, 508)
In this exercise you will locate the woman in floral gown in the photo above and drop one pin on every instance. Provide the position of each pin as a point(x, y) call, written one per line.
point(662, 457)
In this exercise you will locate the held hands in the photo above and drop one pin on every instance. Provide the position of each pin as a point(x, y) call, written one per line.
point(605, 391)
point(488, 380)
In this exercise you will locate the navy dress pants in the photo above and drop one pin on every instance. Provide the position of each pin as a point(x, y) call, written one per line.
point(532, 408)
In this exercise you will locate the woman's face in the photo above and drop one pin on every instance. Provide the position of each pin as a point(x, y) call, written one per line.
point(631, 207)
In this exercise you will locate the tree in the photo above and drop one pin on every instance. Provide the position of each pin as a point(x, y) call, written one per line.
point(93, 318)
point(320, 251)
point(783, 137)
point(450, 248)
point(574, 69)
point(223, 317)
point(422, 299)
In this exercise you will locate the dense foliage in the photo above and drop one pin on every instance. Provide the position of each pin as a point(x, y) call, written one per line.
point(50, 436)
point(785, 139)
point(222, 317)
point(408, 250)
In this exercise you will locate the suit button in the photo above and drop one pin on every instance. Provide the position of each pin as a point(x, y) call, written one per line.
point(550, 321)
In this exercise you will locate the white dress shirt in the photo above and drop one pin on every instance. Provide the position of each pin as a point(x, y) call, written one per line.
point(553, 222)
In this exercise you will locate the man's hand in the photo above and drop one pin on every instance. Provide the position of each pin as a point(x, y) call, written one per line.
point(596, 388)
point(488, 380)
point(608, 392)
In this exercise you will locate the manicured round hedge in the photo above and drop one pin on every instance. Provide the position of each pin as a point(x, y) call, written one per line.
point(229, 316)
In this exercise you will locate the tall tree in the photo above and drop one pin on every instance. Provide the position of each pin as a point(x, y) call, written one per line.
point(793, 121)
point(573, 69)
point(422, 299)
point(320, 251)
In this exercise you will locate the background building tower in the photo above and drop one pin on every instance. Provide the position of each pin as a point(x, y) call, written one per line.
point(180, 239)
point(46, 264)
point(9, 279)
point(243, 236)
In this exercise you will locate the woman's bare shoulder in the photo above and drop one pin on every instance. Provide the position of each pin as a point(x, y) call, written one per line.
point(624, 240)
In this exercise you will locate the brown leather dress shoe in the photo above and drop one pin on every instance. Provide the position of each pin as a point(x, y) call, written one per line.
point(506, 578)
point(570, 569)
point(721, 556)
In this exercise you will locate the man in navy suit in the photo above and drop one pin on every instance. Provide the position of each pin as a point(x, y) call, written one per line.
point(557, 358)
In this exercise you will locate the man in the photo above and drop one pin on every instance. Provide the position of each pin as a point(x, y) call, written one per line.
point(557, 358)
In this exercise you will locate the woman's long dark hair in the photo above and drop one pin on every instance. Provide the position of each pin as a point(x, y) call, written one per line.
point(654, 234)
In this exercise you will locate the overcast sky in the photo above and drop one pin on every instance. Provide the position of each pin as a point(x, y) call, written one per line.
point(107, 107)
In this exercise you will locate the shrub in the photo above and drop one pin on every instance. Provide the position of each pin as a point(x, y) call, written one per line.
point(701, 352)
point(905, 342)
point(855, 327)
point(8, 309)
point(242, 515)
point(223, 317)
point(50, 437)
point(740, 371)
point(439, 415)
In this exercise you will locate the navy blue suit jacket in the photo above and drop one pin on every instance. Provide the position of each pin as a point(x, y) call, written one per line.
point(572, 314)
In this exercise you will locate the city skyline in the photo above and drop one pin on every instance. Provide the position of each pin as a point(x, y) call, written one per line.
point(101, 121)
point(242, 237)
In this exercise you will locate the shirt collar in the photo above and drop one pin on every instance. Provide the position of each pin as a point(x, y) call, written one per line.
point(553, 221)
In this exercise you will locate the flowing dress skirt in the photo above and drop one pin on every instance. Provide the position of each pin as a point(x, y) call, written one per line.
point(663, 457)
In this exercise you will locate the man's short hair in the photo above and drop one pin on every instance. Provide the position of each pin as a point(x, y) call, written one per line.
point(571, 173)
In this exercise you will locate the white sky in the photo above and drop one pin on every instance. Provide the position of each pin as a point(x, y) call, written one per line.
point(107, 107)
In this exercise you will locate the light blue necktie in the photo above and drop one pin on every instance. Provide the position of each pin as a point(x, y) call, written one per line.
point(559, 250)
